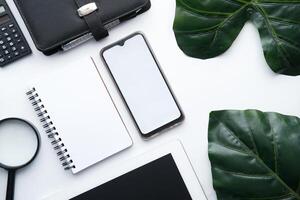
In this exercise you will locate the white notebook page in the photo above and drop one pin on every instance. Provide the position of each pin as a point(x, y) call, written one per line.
point(83, 113)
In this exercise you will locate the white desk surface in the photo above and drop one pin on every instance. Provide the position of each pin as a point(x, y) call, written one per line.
point(239, 79)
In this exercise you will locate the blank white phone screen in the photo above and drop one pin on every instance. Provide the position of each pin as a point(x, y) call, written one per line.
point(142, 84)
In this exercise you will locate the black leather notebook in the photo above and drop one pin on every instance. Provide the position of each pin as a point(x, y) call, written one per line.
point(157, 180)
point(54, 24)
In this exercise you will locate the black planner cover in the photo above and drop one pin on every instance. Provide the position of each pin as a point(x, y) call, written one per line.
point(158, 180)
point(53, 23)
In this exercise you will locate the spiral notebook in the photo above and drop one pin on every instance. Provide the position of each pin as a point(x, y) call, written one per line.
point(79, 116)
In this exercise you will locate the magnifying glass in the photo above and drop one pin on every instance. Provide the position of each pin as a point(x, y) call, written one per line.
point(19, 145)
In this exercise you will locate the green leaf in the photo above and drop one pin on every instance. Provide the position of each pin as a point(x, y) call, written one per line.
point(207, 28)
point(254, 155)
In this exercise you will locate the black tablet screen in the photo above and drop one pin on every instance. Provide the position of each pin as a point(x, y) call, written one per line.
point(157, 180)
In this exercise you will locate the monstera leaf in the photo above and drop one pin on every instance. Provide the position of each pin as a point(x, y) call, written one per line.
point(255, 155)
point(207, 28)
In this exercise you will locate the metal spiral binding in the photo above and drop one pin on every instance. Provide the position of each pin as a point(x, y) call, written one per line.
point(50, 130)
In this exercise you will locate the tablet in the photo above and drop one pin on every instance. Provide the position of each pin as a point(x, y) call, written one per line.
point(164, 173)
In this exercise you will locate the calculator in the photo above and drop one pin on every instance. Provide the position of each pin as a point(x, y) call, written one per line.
point(13, 44)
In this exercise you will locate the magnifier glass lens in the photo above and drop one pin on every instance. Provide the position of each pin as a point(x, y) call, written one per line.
point(18, 143)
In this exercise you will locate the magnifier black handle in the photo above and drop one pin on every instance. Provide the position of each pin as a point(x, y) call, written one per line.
point(10, 185)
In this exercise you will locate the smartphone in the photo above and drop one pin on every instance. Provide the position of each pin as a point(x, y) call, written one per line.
point(142, 85)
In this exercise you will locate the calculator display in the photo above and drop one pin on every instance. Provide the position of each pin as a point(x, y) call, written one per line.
point(4, 19)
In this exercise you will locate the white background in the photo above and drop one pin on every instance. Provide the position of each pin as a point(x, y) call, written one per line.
point(239, 79)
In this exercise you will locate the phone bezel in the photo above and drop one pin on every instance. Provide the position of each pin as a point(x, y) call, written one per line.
point(164, 127)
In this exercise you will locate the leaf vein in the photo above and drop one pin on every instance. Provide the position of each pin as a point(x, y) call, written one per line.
point(274, 35)
point(222, 24)
point(202, 31)
point(269, 198)
point(230, 148)
point(237, 2)
point(244, 174)
point(288, 43)
point(252, 138)
point(275, 149)
point(211, 29)
point(284, 21)
point(278, 2)
point(194, 11)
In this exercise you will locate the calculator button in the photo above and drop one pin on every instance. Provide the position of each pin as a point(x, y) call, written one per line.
point(16, 53)
point(11, 25)
point(19, 40)
point(9, 57)
point(2, 60)
point(6, 34)
point(3, 29)
point(13, 48)
point(6, 52)
point(13, 30)
point(11, 44)
point(4, 47)
point(1, 42)
point(15, 35)
point(8, 38)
